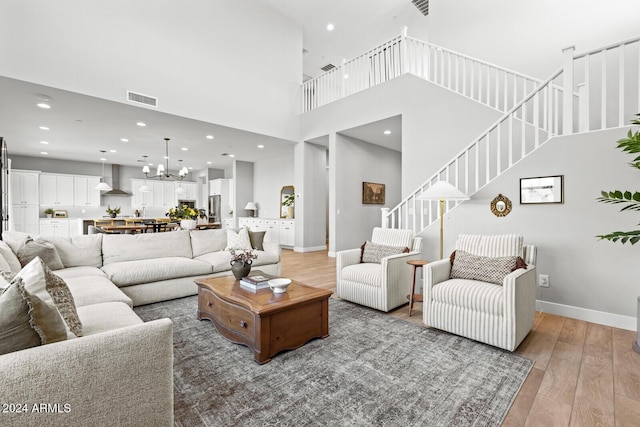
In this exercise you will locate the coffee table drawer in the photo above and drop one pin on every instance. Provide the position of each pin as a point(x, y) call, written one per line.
point(233, 318)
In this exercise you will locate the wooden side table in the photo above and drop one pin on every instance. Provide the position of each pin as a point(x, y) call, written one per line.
point(415, 263)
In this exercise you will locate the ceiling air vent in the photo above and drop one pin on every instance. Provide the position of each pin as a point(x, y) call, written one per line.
point(422, 5)
point(328, 67)
point(142, 99)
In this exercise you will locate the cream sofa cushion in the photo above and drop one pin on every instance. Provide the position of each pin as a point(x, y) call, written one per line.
point(128, 273)
point(106, 316)
point(220, 261)
point(132, 247)
point(85, 250)
point(265, 258)
point(10, 257)
point(207, 241)
point(71, 272)
point(95, 289)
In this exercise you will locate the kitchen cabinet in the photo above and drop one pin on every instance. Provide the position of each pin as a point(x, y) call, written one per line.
point(190, 190)
point(55, 227)
point(225, 189)
point(25, 218)
point(139, 199)
point(24, 188)
point(279, 231)
point(84, 191)
point(56, 190)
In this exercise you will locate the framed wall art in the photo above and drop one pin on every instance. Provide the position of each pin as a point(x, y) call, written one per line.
point(543, 189)
point(60, 214)
point(372, 194)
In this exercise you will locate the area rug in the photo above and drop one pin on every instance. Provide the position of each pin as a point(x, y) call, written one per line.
point(373, 369)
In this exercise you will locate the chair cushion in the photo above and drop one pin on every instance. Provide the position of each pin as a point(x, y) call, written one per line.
point(373, 252)
point(490, 245)
point(471, 294)
point(392, 237)
point(484, 269)
point(369, 273)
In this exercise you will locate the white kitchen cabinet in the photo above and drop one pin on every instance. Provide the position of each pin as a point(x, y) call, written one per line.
point(281, 231)
point(24, 188)
point(190, 190)
point(25, 218)
point(139, 199)
point(84, 191)
point(215, 187)
point(287, 233)
point(55, 227)
point(56, 190)
point(225, 189)
point(170, 198)
point(227, 223)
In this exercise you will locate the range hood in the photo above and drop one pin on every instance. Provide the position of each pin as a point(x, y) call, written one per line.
point(115, 183)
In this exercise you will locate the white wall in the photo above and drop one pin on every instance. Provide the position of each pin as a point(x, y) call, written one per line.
point(357, 162)
point(243, 175)
point(436, 123)
point(312, 189)
point(584, 272)
point(235, 63)
point(269, 176)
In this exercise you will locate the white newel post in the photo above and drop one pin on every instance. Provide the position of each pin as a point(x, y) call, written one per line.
point(404, 61)
point(567, 95)
point(384, 221)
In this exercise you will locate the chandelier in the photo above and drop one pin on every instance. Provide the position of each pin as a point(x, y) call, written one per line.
point(163, 170)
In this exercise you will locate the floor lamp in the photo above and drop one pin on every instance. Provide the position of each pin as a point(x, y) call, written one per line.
point(442, 191)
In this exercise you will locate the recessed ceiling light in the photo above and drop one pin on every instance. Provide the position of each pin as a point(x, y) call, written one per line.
point(141, 124)
point(346, 76)
point(44, 142)
point(44, 128)
point(208, 163)
point(124, 140)
point(387, 132)
point(112, 151)
point(102, 159)
point(184, 149)
point(330, 27)
point(209, 136)
point(232, 155)
point(260, 146)
point(190, 167)
point(43, 105)
point(44, 152)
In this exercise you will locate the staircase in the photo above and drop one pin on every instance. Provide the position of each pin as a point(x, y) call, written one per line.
point(592, 91)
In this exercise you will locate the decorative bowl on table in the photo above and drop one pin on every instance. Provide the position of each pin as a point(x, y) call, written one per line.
point(279, 286)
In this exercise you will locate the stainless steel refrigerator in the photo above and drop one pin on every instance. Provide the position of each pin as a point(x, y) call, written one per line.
point(214, 209)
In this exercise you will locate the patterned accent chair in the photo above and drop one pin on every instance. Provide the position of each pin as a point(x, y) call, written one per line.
point(501, 314)
point(385, 285)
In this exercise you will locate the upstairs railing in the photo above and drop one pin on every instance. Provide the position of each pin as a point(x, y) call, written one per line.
point(608, 83)
point(494, 86)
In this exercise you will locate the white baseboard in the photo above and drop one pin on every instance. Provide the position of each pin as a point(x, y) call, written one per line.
point(310, 249)
point(332, 254)
point(600, 317)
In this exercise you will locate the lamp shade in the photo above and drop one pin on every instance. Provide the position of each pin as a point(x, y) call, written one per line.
point(145, 169)
point(103, 186)
point(251, 206)
point(442, 190)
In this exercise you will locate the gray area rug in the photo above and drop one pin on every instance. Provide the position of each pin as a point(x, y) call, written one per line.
point(373, 369)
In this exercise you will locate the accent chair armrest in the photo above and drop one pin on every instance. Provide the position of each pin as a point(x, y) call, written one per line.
point(520, 302)
point(123, 376)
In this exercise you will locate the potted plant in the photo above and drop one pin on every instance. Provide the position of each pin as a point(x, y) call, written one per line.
point(187, 216)
point(288, 201)
point(113, 212)
point(629, 200)
point(48, 212)
point(241, 262)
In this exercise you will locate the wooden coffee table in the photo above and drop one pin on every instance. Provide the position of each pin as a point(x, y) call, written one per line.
point(267, 323)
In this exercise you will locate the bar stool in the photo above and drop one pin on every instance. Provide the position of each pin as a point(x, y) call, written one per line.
point(415, 263)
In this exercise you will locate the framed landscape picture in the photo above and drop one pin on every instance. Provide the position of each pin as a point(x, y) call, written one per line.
point(543, 189)
point(372, 193)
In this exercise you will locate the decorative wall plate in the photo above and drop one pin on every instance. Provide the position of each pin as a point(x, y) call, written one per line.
point(501, 205)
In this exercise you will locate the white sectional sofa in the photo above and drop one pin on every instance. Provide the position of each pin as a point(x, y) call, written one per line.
point(120, 372)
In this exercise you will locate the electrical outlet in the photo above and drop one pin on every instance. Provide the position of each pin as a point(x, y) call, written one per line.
point(543, 280)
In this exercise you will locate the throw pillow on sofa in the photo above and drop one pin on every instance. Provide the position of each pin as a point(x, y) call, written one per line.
point(481, 268)
point(28, 315)
point(10, 257)
point(373, 252)
point(30, 249)
point(238, 240)
point(257, 239)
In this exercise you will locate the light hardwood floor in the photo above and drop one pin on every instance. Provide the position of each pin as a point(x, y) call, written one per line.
point(584, 375)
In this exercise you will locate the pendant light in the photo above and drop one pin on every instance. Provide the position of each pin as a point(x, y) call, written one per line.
point(103, 186)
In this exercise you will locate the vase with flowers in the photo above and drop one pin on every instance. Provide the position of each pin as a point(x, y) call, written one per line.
point(187, 216)
point(241, 261)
